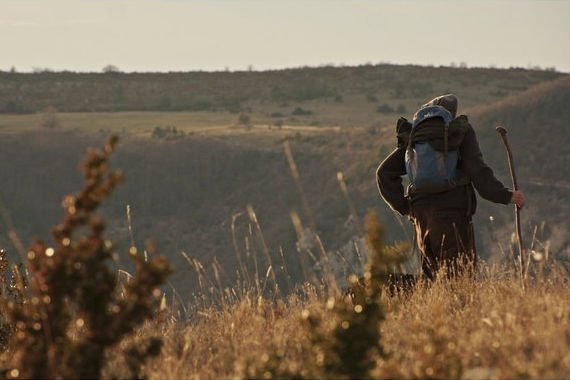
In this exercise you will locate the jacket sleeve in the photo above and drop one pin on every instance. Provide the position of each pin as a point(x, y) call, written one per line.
point(480, 174)
point(389, 179)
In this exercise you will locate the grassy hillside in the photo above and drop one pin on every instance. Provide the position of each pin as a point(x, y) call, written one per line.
point(347, 96)
point(186, 187)
point(538, 124)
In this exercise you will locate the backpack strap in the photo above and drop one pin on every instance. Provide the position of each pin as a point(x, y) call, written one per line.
point(445, 140)
point(403, 128)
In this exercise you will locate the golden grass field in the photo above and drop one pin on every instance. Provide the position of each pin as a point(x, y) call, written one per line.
point(484, 329)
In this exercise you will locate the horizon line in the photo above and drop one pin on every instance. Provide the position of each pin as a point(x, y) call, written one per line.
point(114, 69)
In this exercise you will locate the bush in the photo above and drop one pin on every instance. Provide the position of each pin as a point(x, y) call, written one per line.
point(74, 308)
point(371, 98)
point(166, 133)
point(385, 109)
point(352, 346)
point(299, 111)
point(244, 120)
point(279, 123)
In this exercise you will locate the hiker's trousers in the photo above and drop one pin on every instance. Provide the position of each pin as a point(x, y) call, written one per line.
point(445, 239)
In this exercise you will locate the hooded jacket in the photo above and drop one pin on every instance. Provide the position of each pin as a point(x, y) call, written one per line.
point(471, 165)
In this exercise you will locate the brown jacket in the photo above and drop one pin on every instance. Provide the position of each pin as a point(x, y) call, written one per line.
point(471, 164)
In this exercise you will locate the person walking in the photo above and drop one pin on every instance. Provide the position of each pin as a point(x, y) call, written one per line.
point(440, 154)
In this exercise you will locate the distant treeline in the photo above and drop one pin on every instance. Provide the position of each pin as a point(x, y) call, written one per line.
point(232, 91)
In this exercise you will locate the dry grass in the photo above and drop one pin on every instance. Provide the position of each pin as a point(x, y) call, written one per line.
point(450, 329)
point(485, 328)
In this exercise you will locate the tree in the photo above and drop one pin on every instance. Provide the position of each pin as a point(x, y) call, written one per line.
point(109, 69)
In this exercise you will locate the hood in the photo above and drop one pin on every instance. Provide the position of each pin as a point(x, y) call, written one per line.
point(448, 101)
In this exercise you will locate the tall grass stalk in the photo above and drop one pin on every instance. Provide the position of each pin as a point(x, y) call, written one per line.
point(297, 179)
point(270, 273)
point(353, 212)
point(241, 267)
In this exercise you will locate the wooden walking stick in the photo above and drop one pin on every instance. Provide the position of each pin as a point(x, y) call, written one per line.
point(503, 132)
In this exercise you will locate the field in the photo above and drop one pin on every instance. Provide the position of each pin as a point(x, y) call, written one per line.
point(489, 327)
point(238, 219)
point(482, 330)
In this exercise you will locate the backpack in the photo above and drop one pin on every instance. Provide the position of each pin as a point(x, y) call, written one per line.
point(432, 150)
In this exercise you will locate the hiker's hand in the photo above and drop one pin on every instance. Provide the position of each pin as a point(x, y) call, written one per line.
point(518, 198)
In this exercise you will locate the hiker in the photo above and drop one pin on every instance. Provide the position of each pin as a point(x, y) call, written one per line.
point(440, 154)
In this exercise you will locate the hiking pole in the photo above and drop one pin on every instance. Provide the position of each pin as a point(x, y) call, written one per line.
point(503, 132)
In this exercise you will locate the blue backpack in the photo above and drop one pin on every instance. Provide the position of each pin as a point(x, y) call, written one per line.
point(430, 170)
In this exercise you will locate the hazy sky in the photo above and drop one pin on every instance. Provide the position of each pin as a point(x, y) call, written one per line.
point(180, 35)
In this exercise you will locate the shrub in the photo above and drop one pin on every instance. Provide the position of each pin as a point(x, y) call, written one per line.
point(299, 111)
point(166, 133)
point(74, 308)
point(371, 98)
point(352, 347)
point(384, 108)
point(244, 120)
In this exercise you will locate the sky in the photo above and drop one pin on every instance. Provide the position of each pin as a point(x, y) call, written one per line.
point(212, 35)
